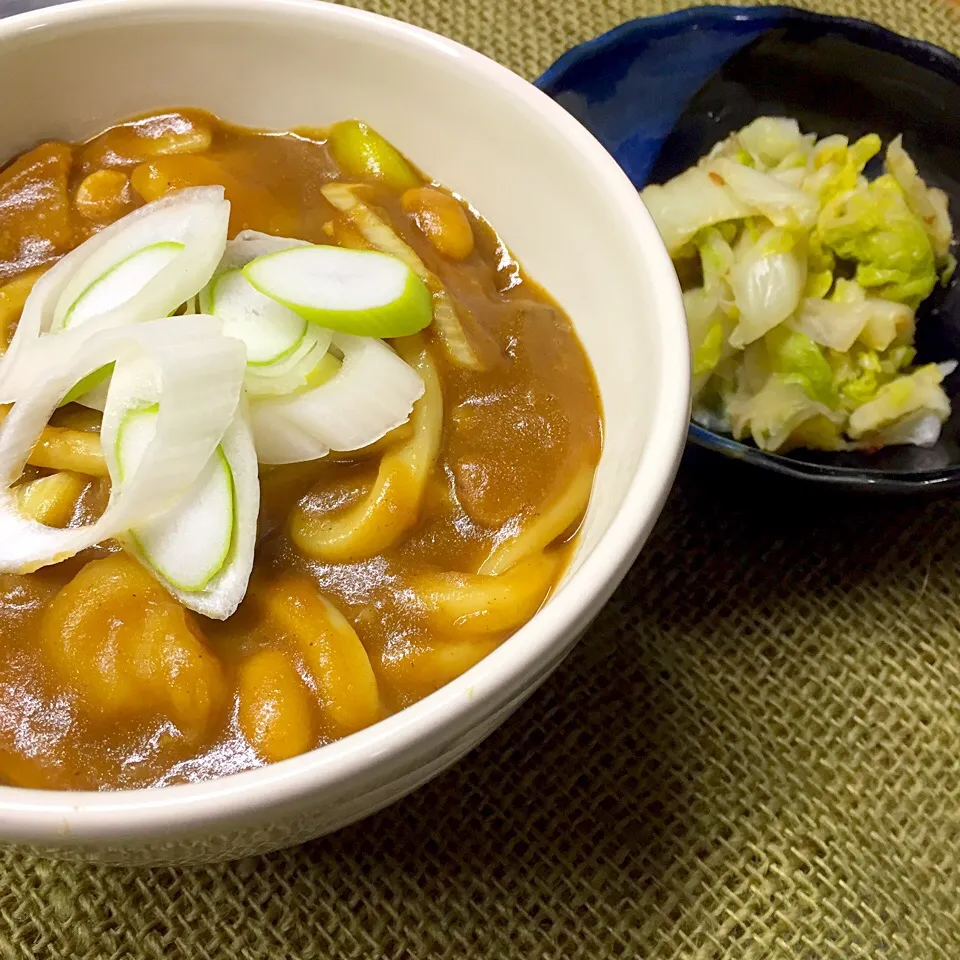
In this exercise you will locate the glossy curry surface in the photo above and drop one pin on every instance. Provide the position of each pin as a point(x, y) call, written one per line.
point(105, 681)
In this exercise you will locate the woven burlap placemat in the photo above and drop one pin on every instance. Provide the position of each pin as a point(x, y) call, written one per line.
point(752, 754)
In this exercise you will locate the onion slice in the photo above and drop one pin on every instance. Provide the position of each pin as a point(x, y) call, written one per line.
point(185, 365)
point(127, 273)
point(372, 393)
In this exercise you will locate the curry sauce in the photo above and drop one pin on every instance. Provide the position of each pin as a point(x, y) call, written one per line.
point(105, 681)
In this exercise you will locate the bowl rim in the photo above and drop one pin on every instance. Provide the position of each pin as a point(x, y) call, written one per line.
point(919, 52)
point(71, 818)
point(925, 53)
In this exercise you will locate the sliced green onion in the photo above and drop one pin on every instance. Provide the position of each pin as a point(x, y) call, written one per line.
point(121, 268)
point(195, 374)
point(270, 330)
point(200, 545)
point(328, 367)
point(121, 281)
point(359, 292)
point(361, 152)
point(141, 268)
point(291, 374)
point(247, 245)
point(381, 236)
point(365, 392)
point(283, 349)
point(87, 384)
point(188, 545)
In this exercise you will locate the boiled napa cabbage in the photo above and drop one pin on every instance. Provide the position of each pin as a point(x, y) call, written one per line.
point(688, 203)
point(930, 205)
point(769, 141)
point(874, 228)
point(797, 359)
point(767, 282)
point(765, 195)
point(709, 330)
point(772, 415)
point(917, 392)
point(801, 280)
point(838, 165)
point(838, 325)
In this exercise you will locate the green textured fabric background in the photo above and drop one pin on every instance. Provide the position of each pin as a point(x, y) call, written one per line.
point(752, 754)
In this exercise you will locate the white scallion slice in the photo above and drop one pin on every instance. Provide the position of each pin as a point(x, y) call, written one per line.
point(183, 363)
point(91, 391)
point(359, 292)
point(202, 549)
point(365, 397)
point(325, 370)
point(113, 288)
point(188, 545)
point(222, 595)
point(247, 245)
point(267, 327)
point(270, 330)
point(292, 374)
point(195, 218)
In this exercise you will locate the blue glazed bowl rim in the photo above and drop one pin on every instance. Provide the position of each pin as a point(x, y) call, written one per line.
point(924, 53)
point(920, 52)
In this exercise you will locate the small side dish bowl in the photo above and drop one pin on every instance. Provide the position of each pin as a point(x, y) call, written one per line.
point(660, 92)
point(563, 206)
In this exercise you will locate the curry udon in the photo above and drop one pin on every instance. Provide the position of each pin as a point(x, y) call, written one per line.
point(379, 574)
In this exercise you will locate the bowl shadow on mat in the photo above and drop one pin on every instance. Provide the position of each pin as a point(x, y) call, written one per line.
point(673, 766)
point(659, 92)
point(679, 752)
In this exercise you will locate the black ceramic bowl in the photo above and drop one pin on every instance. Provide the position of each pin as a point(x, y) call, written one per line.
point(659, 92)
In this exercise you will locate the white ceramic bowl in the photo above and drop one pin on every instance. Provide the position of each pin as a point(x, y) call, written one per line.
point(565, 209)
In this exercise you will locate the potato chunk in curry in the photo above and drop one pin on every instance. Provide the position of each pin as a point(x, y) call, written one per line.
point(129, 652)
